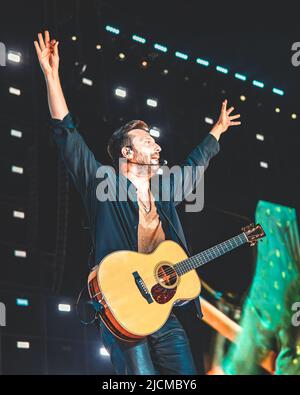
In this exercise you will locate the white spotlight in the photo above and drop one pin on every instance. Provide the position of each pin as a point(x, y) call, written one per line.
point(14, 91)
point(86, 81)
point(18, 214)
point(260, 137)
point(120, 92)
point(209, 120)
point(64, 307)
point(17, 169)
point(152, 102)
point(14, 57)
point(20, 254)
point(103, 352)
point(16, 133)
point(24, 345)
point(154, 132)
point(264, 165)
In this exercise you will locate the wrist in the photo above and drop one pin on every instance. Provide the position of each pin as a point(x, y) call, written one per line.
point(51, 76)
point(216, 131)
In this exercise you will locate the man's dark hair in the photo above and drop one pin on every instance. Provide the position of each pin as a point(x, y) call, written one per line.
point(120, 139)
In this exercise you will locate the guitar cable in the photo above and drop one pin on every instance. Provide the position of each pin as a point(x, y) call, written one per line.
point(97, 312)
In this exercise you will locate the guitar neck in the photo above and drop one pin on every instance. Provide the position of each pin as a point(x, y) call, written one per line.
point(208, 255)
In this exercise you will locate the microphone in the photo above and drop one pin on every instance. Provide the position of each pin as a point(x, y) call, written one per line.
point(160, 163)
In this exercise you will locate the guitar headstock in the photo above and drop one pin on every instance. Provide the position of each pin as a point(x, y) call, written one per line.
point(253, 233)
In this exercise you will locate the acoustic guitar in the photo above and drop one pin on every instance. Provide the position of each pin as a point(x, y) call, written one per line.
point(134, 293)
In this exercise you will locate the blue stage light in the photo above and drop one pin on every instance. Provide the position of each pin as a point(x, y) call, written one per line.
point(222, 69)
point(240, 76)
point(181, 55)
point(139, 39)
point(259, 84)
point(160, 47)
point(203, 62)
point(112, 29)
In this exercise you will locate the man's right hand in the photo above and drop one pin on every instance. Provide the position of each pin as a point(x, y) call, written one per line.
point(47, 52)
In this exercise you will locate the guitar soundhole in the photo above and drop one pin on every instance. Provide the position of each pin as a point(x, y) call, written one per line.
point(166, 276)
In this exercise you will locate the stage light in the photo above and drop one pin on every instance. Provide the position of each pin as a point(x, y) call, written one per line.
point(74, 38)
point(22, 302)
point(18, 214)
point(294, 116)
point(98, 46)
point(181, 55)
point(16, 133)
point(264, 165)
point(14, 57)
point(160, 47)
point(14, 91)
point(17, 169)
point(278, 91)
point(165, 71)
point(112, 29)
point(120, 92)
point(144, 64)
point(64, 307)
point(23, 345)
point(154, 132)
point(243, 98)
point(209, 120)
point(260, 137)
point(222, 69)
point(122, 56)
point(277, 109)
point(103, 352)
point(203, 62)
point(152, 102)
point(139, 39)
point(86, 81)
point(20, 254)
point(259, 84)
point(240, 76)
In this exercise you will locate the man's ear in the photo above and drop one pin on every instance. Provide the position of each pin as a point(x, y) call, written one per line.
point(127, 152)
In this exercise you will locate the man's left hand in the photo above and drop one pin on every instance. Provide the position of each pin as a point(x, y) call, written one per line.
point(225, 121)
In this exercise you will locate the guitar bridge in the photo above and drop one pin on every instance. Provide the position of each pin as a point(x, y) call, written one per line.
point(142, 287)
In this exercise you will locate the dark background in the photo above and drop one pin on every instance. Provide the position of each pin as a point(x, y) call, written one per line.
point(245, 38)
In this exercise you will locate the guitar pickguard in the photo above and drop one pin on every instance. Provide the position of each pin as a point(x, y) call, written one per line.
point(162, 295)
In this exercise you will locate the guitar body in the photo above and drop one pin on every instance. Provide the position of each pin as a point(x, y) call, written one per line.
point(137, 291)
point(134, 293)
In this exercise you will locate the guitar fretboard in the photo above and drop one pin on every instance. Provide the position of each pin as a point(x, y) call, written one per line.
point(208, 255)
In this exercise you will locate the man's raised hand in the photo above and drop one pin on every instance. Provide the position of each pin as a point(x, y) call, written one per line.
point(47, 52)
point(225, 121)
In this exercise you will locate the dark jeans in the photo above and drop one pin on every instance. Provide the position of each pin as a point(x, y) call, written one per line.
point(166, 351)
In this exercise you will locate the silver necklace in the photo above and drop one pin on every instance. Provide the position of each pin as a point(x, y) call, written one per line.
point(147, 209)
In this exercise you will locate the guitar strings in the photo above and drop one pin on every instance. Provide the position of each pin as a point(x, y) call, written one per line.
point(239, 240)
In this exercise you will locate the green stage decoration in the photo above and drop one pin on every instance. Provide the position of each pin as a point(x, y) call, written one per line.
point(267, 312)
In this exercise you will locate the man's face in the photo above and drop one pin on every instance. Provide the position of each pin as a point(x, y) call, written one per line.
point(145, 149)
